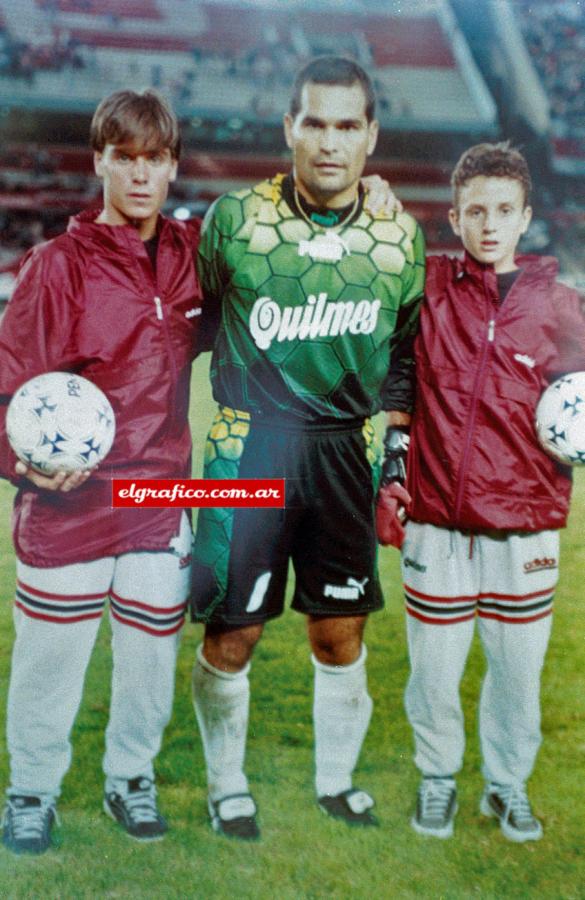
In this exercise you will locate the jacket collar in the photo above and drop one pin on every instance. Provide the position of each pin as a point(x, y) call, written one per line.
point(116, 237)
point(534, 268)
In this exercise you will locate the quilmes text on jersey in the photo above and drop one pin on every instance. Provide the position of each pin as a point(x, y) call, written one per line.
point(315, 318)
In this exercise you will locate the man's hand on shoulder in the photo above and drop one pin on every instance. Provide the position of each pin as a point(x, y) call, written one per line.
point(393, 498)
point(379, 196)
point(59, 481)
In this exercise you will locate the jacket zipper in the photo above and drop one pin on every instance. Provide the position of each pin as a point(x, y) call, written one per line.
point(149, 283)
point(162, 318)
point(488, 341)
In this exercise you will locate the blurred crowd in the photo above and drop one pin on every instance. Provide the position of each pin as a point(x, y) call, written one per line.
point(21, 59)
point(555, 36)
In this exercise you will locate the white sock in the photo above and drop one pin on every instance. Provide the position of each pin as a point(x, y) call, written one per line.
point(221, 701)
point(341, 714)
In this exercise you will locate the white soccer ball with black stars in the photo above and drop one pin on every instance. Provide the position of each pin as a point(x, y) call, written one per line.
point(60, 421)
point(560, 419)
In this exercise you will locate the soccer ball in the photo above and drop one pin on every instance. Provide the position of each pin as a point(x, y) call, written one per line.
point(560, 419)
point(60, 421)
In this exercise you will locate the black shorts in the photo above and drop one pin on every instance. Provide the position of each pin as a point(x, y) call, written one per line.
point(241, 556)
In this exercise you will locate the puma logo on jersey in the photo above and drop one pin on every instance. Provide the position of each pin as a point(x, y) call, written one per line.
point(328, 247)
point(353, 591)
point(315, 318)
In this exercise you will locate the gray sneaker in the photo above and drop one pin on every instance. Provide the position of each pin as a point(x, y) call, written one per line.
point(436, 806)
point(510, 804)
point(27, 824)
point(137, 811)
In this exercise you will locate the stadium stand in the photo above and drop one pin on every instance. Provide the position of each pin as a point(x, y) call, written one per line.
point(228, 58)
point(555, 36)
point(118, 9)
point(227, 67)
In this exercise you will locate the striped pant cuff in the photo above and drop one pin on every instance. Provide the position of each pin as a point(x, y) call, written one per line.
point(58, 608)
point(150, 619)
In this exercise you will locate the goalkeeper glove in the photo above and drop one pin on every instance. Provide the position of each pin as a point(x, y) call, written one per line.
point(396, 441)
point(393, 498)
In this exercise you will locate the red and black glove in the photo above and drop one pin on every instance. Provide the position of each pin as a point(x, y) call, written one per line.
point(393, 498)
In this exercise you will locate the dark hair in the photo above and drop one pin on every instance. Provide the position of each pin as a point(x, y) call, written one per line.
point(145, 118)
point(492, 160)
point(333, 70)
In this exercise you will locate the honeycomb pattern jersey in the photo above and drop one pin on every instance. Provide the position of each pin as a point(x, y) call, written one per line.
point(307, 321)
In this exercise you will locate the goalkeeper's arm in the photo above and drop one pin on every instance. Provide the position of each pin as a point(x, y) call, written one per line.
point(393, 498)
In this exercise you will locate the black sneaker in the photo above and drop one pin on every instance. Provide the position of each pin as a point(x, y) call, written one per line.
point(510, 804)
point(27, 823)
point(234, 816)
point(352, 806)
point(436, 806)
point(137, 811)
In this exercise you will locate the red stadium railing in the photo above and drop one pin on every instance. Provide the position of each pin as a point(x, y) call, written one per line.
point(121, 9)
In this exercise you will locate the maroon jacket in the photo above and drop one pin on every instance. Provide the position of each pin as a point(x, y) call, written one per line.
point(475, 462)
point(89, 302)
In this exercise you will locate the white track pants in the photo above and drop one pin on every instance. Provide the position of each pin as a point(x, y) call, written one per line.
point(507, 585)
point(57, 614)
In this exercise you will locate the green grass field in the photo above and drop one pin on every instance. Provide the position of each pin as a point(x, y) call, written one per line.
point(302, 854)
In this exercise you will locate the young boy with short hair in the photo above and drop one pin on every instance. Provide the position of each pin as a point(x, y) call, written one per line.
point(114, 299)
point(482, 543)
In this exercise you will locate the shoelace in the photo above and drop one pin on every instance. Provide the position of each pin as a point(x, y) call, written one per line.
point(28, 822)
point(141, 806)
point(517, 804)
point(435, 796)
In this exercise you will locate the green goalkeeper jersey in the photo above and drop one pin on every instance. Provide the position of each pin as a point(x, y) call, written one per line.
point(309, 322)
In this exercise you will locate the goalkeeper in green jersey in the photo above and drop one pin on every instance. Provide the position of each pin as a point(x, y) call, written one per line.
point(311, 306)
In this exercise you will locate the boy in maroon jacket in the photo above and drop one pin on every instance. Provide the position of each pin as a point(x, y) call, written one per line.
point(486, 502)
point(114, 299)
